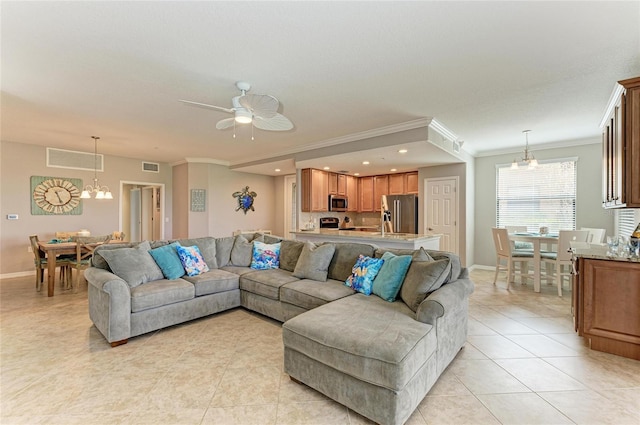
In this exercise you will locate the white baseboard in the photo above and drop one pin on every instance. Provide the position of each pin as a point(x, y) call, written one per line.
point(481, 267)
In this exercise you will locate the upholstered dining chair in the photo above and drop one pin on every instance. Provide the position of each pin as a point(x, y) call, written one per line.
point(41, 264)
point(505, 252)
point(561, 260)
point(595, 235)
point(519, 244)
point(85, 245)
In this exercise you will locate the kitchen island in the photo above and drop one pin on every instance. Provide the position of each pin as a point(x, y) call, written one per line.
point(388, 240)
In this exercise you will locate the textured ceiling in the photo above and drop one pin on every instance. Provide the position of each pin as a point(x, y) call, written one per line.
point(486, 71)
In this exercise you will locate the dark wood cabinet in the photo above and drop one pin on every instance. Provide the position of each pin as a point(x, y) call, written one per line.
point(621, 147)
point(606, 305)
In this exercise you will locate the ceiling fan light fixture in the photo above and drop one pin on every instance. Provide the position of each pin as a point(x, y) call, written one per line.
point(243, 116)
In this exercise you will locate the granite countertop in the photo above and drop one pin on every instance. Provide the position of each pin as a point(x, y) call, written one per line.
point(599, 252)
point(366, 235)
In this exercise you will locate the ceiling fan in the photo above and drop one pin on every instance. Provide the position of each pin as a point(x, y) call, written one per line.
point(261, 110)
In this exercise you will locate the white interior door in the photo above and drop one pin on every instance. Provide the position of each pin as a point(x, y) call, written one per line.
point(135, 215)
point(290, 206)
point(441, 208)
point(147, 210)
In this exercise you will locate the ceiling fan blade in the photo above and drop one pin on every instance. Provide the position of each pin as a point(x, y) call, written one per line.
point(225, 123)
point(262, 105)
point(204, 105)
point(278, 123)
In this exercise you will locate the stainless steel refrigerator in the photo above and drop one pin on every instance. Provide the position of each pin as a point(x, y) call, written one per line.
point(404, 213)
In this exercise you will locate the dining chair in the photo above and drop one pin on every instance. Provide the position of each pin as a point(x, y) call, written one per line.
point(85, 245)
point(505, 252)
point(595, 235)
point(65, 235)
point(41, 263)
point(519, 244)
point(118, 236)
point(561, 260)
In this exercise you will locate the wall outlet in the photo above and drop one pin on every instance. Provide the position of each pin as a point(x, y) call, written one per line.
point(29, 249)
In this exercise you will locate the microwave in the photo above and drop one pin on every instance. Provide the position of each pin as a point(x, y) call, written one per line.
point(338, 203)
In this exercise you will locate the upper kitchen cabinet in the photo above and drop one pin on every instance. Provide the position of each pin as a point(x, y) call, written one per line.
point(351, 183)
point(403, 183)
point(621, 147)
point(337, 184)
point(411, 183)
point(314, 191)
point(380, 187)
point(365, 194)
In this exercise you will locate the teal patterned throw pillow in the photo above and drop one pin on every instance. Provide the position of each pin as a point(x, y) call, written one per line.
point(265, 256)
point(364, 271)
point(192, 260)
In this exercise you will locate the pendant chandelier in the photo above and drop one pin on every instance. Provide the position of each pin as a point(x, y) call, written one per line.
point(528, 158)
point(101, 192)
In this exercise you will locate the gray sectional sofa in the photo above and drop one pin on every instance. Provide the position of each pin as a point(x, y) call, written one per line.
point(376, 357)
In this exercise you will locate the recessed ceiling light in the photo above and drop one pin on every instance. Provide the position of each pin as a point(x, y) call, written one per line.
point(365, 162)
point(277, 170)
point(327, 168)
point(402, 151)
point(393, 169)
point(356, 174)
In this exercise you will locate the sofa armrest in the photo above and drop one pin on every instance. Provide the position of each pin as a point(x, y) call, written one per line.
point(443, 299)
point(109, 304)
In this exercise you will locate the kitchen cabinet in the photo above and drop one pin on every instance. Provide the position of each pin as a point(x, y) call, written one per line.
point(411, 183)
point(314, 190)
point(621, 147)
point(365, 194)
point(605, 305)
point(337, 184)
point(351, 184)
point(380, 187)
point(397, 183)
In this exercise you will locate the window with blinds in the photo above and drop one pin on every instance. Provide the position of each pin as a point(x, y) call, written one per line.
point(628, 219)
point(543, 196)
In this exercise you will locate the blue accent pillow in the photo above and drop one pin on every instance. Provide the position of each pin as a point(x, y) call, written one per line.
point(387, 283)
point(363, 273)
point(192, 260)
point(167, 259)
point(265, 256)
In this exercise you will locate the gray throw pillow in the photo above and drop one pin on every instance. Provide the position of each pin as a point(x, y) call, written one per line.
point(207, 247)
point(242, 252)
point(423, 277)
point(133, 265)
point(314, 262)
point(289, 254)
point(223, 250)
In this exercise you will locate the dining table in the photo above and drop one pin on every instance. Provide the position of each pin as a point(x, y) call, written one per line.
point(537, 240)
point(53, 250)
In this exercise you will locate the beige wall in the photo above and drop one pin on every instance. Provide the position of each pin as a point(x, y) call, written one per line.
point(18, 162)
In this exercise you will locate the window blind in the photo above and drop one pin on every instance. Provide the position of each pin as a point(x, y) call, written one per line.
point(543, 196)
point(628, 219)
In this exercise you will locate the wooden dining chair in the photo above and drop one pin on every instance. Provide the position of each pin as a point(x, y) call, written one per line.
point(40, 261)
point(561, 260)
point(85, 245)
point(505, 252)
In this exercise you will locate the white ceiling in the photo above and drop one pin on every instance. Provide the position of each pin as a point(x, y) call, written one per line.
point(486, 71)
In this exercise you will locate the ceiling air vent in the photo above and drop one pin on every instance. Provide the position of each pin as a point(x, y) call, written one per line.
point(60, 158)
point(150, 167)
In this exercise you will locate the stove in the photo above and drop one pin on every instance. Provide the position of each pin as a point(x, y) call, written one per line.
point(329, 222)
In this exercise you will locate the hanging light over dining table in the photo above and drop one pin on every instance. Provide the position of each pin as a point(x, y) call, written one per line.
point(99, 192)
point(528, 157)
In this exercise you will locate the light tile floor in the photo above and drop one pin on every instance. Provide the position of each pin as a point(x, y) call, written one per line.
point(523, 364)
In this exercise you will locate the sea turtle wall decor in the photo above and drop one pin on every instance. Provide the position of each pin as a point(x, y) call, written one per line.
point(245, 199)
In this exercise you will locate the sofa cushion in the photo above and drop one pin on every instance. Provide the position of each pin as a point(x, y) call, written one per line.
point(390, 277)
point(423, 277)
point(241, 252)
point(289, 254)
point(134, 265)
point(364, 271)
point(266, 282)
point(214, 281)
point(416, 254)
point(223, 250)
point(373, 340)
point(160, 292)
point(345, 257)
point(97, 260)
point(207, 247)
point(166, 257)
point(239, 270)
point(310, 294)
point(314, 261)
point(192, 260)
point(265, 256)
point(454, 259)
